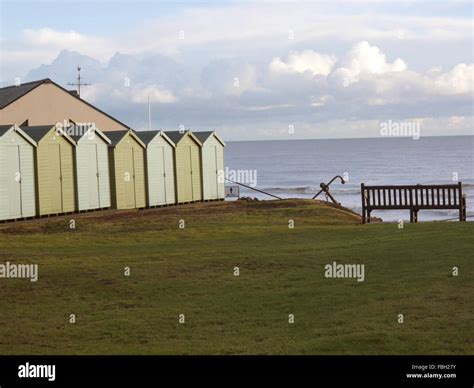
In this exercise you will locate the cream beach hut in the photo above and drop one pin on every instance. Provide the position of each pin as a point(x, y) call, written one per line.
point(212, 161)
point(92, 168)
point(160, 171)
point(17, 174)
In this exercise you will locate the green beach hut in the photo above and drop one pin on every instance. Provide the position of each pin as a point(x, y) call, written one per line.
point(55, 175)
point(188, 166)
point(127, 170)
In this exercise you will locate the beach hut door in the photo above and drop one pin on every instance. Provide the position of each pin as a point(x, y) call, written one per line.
point(55, 178)
point(189, 167)
point(14, 181)
point(94, 201)
point(129, 178)
point(160, 163)
point(212, 173)
point(136, 164)
point(219, 170)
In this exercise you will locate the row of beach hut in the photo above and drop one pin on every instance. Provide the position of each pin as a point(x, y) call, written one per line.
point(45, 170)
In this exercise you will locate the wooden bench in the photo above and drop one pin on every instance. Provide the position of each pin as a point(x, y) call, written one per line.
point(413, 198)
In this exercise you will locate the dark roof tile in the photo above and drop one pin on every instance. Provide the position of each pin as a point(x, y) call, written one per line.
point(4, 129)
point(115, 136)
point(8, 94)
point(203, 136)
point(175, 136)
point(37, 132)
point(146, 136)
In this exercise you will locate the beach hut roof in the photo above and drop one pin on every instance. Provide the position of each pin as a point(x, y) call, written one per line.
point(117, 136)
point(148, 136)
point(37, 132)
point(5, 128)
point(96, 130)
point(203, 136)
point(176, 136)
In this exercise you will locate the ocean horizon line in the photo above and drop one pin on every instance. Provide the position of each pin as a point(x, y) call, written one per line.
point(348, 138)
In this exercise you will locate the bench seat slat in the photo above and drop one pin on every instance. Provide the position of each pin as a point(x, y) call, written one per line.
point(405, 207)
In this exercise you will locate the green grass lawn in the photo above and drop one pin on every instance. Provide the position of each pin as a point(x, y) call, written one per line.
point(190, 271)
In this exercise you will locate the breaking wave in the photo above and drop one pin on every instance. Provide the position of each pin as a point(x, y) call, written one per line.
point(308, 190)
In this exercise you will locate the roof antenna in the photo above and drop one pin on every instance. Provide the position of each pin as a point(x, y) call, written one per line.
point(78, 83)
point(149, 114)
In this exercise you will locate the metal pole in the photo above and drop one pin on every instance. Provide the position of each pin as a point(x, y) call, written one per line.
point(149, 114)
point(252, 188)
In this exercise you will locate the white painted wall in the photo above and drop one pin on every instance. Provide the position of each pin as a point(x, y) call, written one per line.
point(160, 172)
point(212, 162)
point(93, 191)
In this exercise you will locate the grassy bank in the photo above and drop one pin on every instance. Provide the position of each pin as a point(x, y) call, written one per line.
point(190, 271)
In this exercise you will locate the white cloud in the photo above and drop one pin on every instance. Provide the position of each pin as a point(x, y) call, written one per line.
point(267, 107)
point(51, 41)
point(366, 75)
point(230, 78)
point(459, 80)
point(154, 93)
point(225, 29)
point(321, 100)
point(364, 59)
point(120, 94)
point(50, 37)
point(264, 26)
point(304, 61)
point(306, 84)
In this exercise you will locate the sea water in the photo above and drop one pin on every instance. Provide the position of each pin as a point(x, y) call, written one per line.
point(295, 168)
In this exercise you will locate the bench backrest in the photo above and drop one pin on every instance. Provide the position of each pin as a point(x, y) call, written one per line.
point(412, 196)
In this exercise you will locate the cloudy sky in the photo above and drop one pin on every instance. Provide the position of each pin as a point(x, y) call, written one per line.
point(255, 70)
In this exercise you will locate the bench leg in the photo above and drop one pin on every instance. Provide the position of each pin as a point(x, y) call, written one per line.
point(368, 217)
point(462, 210)
point(411, 216)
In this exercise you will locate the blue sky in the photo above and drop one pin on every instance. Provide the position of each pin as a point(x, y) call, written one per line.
point(106, 16)
point(109, 16)
point(252, 70)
